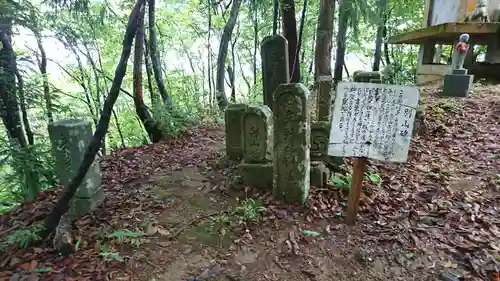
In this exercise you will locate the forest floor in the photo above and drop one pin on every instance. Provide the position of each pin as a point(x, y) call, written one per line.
point(171, 213)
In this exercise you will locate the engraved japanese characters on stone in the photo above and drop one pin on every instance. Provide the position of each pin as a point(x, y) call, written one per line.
point(257, 134)
point(291, 143)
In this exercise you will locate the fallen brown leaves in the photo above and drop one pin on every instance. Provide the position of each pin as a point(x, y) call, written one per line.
point(126, 206)
point(442, 205)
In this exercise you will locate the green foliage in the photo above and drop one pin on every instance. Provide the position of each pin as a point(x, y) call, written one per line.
point(26, 171)
point(345, 181)
point(172, 121)
point(249, 210)
point(342, 181)
point(124, 237)
point(110, 255)
point(23, 237)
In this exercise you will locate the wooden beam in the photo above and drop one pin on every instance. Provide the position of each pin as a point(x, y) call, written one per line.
point(447, 33)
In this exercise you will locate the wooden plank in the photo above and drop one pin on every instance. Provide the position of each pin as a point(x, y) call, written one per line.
point(447, 33)
point(427, 13)
point(355, 192)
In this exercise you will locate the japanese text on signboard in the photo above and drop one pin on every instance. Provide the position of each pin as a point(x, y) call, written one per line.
point(373, 120)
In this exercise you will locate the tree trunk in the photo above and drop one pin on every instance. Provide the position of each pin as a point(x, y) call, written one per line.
point(221, 58)
point(62, 205)
point(255, 43)
point(378, 41)
point(275, 16)
point(386, 46)
point(9, 107)
point(154, 133)
point(98, 91)
point(86, 89)
point(155, 57)
point(341, 42)
point(42, 64)
point(232, 69)
point(209, 52)
point(24, 110)
point(290, 33)
point(149, 73)
point(299, 42)
point(230, 72)
point(324, 37)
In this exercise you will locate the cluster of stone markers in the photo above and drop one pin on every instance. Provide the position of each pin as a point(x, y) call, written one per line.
point(69, 138)
point(280, 148)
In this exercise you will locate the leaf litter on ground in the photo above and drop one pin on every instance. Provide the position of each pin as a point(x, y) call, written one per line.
point(442, 204)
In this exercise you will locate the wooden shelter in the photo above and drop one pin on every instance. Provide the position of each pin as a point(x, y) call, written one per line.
point(442, 25)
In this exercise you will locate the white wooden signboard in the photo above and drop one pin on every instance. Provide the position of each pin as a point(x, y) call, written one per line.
point(373, 120)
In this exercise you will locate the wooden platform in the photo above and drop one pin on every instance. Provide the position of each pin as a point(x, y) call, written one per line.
point(448, 33)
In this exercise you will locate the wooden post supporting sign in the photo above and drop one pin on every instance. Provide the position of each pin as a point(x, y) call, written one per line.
point(358, 170)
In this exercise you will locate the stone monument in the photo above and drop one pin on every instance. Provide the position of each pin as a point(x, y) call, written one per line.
point(458, 83)
point(367, 76)
point(320, 134)
point(274, 52)
point(69, 138)
point(324, 100)
point(257, 168)
point(291, 143)
point(233, 120)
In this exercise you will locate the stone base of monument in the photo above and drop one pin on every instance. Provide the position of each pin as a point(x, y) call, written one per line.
point(83, 206)
point(259, 176)
point(320, 174)
point(457, 84)
point(90, 192)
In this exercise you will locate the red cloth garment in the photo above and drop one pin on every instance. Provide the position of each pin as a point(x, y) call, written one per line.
point(462, 47)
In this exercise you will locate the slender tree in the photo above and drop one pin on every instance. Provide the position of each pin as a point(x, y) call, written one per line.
point(344, 10)
point(324, 37)
point(223, 50)
point(377, 56)
point(9, 106)
point(155, 56)
point(287, 9)
point(62, 205)
point(154, 132)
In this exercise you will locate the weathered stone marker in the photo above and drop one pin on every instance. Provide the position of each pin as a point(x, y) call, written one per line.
point(233, 119)
point(69, 138)
point(324, 100)
point(257, 169)
point(274, 53)
point(320, 133)
point(291, 143)
point(367, 76)
point(458, 83)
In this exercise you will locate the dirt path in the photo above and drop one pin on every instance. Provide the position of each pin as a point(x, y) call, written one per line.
point(434, 217)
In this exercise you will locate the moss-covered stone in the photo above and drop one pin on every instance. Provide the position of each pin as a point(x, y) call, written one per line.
point(320, 174)
point(292, 137)
point(257, 134)
point(259, 176)
point(275, 70)
point(233, 119)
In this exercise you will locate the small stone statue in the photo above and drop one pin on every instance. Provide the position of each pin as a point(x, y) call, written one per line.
point(460, 51)
point(495, 15)
point(480, 13)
